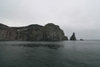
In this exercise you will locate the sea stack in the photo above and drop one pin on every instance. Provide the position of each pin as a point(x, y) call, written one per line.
point(73, 37)
point(33, 32)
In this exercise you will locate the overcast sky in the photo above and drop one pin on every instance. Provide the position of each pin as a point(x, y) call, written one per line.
point(79, 16)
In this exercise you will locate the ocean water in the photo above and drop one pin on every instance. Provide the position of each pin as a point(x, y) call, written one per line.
point(50, 54)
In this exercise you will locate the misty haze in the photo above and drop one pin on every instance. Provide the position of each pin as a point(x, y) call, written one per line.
point(49, 33)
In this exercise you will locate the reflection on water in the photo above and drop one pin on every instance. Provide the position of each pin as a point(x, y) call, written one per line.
point(53, 45)
point(50, 54)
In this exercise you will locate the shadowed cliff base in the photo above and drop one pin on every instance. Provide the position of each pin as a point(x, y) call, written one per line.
point(34, 32)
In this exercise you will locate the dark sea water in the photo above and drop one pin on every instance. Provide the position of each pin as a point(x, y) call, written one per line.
point(50, 54)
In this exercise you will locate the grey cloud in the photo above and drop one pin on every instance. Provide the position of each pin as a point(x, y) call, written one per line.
point(71, 15)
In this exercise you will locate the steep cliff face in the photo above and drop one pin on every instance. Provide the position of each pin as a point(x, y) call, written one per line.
point(34, 32)
point(49, 32)
point(7, 33)
point(52, 32)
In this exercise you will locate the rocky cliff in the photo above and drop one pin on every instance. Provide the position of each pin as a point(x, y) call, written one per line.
point(73, 37)
point(49, 32)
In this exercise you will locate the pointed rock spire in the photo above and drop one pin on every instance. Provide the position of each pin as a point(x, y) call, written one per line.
point(73, 37)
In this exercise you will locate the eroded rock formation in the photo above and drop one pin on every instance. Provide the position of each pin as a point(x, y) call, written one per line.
point(49, 32)
point(73, 37)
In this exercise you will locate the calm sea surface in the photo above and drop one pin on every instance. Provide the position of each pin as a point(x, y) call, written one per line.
point(50, 54)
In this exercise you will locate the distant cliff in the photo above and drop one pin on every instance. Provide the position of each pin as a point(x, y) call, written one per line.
point(34, 32)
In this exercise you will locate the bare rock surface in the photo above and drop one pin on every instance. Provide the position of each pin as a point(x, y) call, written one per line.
point(34, 32)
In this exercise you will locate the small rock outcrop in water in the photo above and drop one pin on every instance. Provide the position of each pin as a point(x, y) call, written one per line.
point(73, 37)
point(81, 39)
point(49, 32)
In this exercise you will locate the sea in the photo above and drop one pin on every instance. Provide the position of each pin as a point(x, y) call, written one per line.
point(50, 54)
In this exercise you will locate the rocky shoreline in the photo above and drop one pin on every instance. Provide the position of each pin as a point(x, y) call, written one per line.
point(33, 32)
